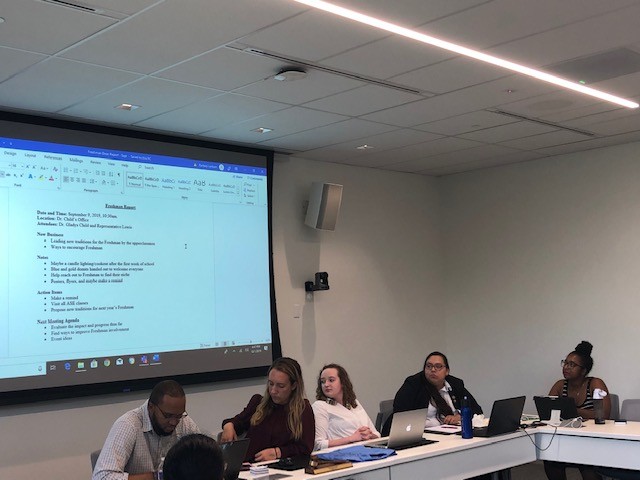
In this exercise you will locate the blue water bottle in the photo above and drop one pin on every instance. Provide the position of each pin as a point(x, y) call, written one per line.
point(466, 416)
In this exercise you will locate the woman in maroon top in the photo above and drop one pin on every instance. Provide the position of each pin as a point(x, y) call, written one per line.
point(279, 423)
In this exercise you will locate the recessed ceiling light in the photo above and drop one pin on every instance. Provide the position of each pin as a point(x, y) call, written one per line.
point(127, 106)
point(364, 147)
point(262, 130)
point(452, 47)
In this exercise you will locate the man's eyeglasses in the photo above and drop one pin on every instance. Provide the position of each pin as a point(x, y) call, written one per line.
point(570, 364)
point(437, 367)
point(171, 416)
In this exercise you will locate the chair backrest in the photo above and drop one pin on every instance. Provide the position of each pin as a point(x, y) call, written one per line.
point(94, 459)
point(386, 409)
point(631, 409)
point(615, 406)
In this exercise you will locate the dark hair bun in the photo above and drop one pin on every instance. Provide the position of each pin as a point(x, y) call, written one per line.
point(584, 348)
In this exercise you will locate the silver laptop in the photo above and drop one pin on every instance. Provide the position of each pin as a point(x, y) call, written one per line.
point(406, 431)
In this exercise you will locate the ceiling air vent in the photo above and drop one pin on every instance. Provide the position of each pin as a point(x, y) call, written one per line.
point(543, 122)
point(305, 64)
point(87, 8)
point(75, 5)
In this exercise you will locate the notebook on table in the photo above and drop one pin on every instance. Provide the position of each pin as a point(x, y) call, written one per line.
point(233, 453)
point(406, 431)
point(505, 417)
point(566, 405)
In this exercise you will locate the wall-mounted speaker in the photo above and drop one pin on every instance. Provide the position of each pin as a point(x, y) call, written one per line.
point(324, 205)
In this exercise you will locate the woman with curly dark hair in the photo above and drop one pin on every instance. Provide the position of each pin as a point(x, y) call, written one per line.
point(340, 418)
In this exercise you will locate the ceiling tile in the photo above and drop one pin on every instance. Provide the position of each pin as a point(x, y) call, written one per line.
point(376, 159)
point(153, 95)
point(624, 86)
point(591, 144)
point(213, 113)
point(363, 100)
point(501, 21)
point(387, 57)
point(44, 27)
point(476, 154)
point(283, 122)
point(184, 63)
point(450, 169)
point(14, 61)
point(628, 123)
point(379, 143)
point(328, 135)
point(415, 113)
point(317, 35)
point(316, 85)
point(585, 121)
point(223, 69)
point(503, 133)
point(553, 104)
point(481, 153)
point(550, 139)
point(123, 6)
point(565, 117)
point(586, 37)
point(408, 12)
point(467, 122)
point(56, 83)
point(413, 153)
point(463, 101)
point(143, 43)
point(451, 75)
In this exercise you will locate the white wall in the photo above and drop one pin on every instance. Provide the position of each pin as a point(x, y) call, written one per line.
point(504, 269)
point(539, 256)
point(383, 262)
point(377, 319)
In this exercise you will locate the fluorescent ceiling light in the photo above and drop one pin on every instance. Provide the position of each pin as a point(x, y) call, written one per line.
point(436, 42)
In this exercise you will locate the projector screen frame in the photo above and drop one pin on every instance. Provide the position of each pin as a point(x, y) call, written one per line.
point(91, 389)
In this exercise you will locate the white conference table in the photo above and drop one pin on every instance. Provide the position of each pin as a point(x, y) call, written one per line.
point(607, 445)
point(456, 458)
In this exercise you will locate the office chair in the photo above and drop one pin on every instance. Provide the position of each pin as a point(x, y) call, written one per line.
point(386, 409)
point(631, 409)
point(94, 458)
point(615, 406)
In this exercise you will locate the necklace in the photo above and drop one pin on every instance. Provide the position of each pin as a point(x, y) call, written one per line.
point(578, 390)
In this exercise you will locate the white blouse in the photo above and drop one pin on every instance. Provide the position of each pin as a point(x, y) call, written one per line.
point(432, 412)
point(337, 421)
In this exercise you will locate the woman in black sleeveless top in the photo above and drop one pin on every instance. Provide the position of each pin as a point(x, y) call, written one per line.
point(579, 386)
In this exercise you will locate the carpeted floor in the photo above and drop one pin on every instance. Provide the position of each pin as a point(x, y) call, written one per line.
point(535, 471)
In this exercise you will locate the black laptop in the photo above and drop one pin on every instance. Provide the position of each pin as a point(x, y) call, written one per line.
point(233, 453)
point(505, 417)
point(566, 405)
